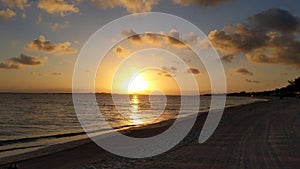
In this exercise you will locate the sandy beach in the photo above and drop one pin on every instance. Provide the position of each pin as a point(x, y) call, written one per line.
point(258, 135)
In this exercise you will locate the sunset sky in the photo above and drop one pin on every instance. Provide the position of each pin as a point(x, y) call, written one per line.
point(258, 42)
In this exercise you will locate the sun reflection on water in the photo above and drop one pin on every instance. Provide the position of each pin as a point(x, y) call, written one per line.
point(135, 117)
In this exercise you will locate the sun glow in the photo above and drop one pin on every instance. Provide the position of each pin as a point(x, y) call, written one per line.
point(138, 84)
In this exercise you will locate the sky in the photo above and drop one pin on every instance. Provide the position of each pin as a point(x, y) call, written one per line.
point(258, 43)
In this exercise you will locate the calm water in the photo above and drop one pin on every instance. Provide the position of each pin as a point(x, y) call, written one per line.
point(33, 121)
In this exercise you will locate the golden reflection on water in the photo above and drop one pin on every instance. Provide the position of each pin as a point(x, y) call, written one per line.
point(135, 116)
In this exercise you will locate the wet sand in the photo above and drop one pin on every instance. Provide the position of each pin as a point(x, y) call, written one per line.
point(258, 135)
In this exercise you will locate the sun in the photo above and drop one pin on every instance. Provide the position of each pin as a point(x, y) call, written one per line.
point(138, 84)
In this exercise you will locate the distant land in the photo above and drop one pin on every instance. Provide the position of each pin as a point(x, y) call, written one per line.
point(291, 90)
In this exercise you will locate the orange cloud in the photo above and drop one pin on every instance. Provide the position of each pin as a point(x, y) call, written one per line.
point(42, 45)
point(132, 6)
point(122, 52)
point(57, 7)
point(21, 4)
point(7, 14)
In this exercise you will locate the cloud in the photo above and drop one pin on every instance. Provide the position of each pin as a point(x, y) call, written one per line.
point(171, 38)
point(10, 65)
point(167, 71)
point(56, 26)
point(205, 3)
point(263, 39)
point(227, 58)
point(193, 71)
point(243, 71)
point(132, 6)
point(252, 81)
point(138, 6)
point(170, 69)
point(42, 45)
point(22, 60)
point(59, 7)
point(122, 52)
point(56, 73)
point(21, 4)
point(28, 60)
point(284, 22)
point(7, 14)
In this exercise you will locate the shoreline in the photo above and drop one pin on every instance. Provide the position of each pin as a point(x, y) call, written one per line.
point(154, 129)
point(83, 138)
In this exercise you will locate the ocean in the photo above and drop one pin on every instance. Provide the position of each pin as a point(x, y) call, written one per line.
point(34, 121)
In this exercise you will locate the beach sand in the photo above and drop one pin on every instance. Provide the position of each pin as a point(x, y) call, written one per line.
point(258, 135)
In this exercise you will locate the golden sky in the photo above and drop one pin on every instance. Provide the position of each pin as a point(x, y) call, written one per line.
point(258, 43)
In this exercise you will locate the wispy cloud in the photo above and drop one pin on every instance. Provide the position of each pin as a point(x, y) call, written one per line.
point(56, 26)
point(60, 7)
point(252, 81)
point(193, 70)
point(243, 71)
point(56, 73)
point(122, 52)
point(42, 45)
point(263, 39)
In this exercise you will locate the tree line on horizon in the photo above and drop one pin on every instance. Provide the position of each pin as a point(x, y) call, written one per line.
point(291, 90)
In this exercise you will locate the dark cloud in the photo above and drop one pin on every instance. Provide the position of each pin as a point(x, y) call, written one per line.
point(22, 60)
point(170, 38)
point(10, 65)
point(243, 71)
point(227, 58)
point(193, 71)
point(276, 20)
point(206, 3)
point(252, 81)
point(28, 60)
point(261, 40)
point(42, 45)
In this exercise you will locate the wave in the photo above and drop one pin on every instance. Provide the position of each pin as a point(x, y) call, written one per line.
point(56, 136)
point(31, 139)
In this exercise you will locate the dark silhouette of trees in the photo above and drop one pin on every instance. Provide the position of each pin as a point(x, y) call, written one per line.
point(292, 89)
point(295, 85)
